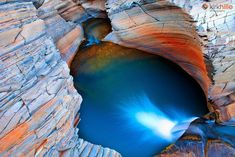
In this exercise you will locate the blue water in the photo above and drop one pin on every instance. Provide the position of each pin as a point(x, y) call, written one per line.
point(132, 100)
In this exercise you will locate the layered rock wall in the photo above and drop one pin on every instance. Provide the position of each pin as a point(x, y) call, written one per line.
point(63, 22)
point(38, 103)
point(150, 26)
point(161, 28)
point(66, 34)
point(215, 25)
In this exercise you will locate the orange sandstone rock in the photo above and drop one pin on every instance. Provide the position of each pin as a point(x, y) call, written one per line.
point(38, 102)
point(160, 28)
point(68, 44)
point(216, 30)
point(13, 137)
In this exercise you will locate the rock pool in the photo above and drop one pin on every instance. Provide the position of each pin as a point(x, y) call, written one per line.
point(132, 100)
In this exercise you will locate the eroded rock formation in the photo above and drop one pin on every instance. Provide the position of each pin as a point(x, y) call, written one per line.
point(216, 29)
point(161, 28)
point(66, 35)
point(164, 29)
point(38, 103)
point(215, 25)
point(203, 138)
point(63, 22)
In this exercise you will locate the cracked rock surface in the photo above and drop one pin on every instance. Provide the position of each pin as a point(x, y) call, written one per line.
point(38, 103)
point(216, 29)
point(205, 137)
point(161, 28)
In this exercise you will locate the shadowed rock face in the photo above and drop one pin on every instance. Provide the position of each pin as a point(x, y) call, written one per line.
point(204, 138)
point(95, 30)
point(66, 34)
point(160, 28)
point(118, 84)
point(38, 3)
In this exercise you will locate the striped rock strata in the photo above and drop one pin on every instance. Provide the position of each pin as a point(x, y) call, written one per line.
point(149, 25)
point(161, 28)
point(38, 103)
point(66, 35)
point(63, 22)
point(216, 29)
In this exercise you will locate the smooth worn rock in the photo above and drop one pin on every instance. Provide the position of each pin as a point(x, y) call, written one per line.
point(216, 29)
point(68, 45)
point(161, 28)
point(203, 138)
point(38, 103)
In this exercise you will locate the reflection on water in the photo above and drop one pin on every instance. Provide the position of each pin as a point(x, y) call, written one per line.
point(141, 112)
point(133, 101)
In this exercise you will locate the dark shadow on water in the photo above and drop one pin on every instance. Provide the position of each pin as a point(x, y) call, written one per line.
point(117, 83)
point(95, 30)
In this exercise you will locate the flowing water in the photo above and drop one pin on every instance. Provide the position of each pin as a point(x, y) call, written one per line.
point(133, 101)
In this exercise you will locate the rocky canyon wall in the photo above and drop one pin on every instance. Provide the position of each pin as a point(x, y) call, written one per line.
point(38, 103)
point(63, 22)
point(215, 25)
point(161, 28)
point(182, 31)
